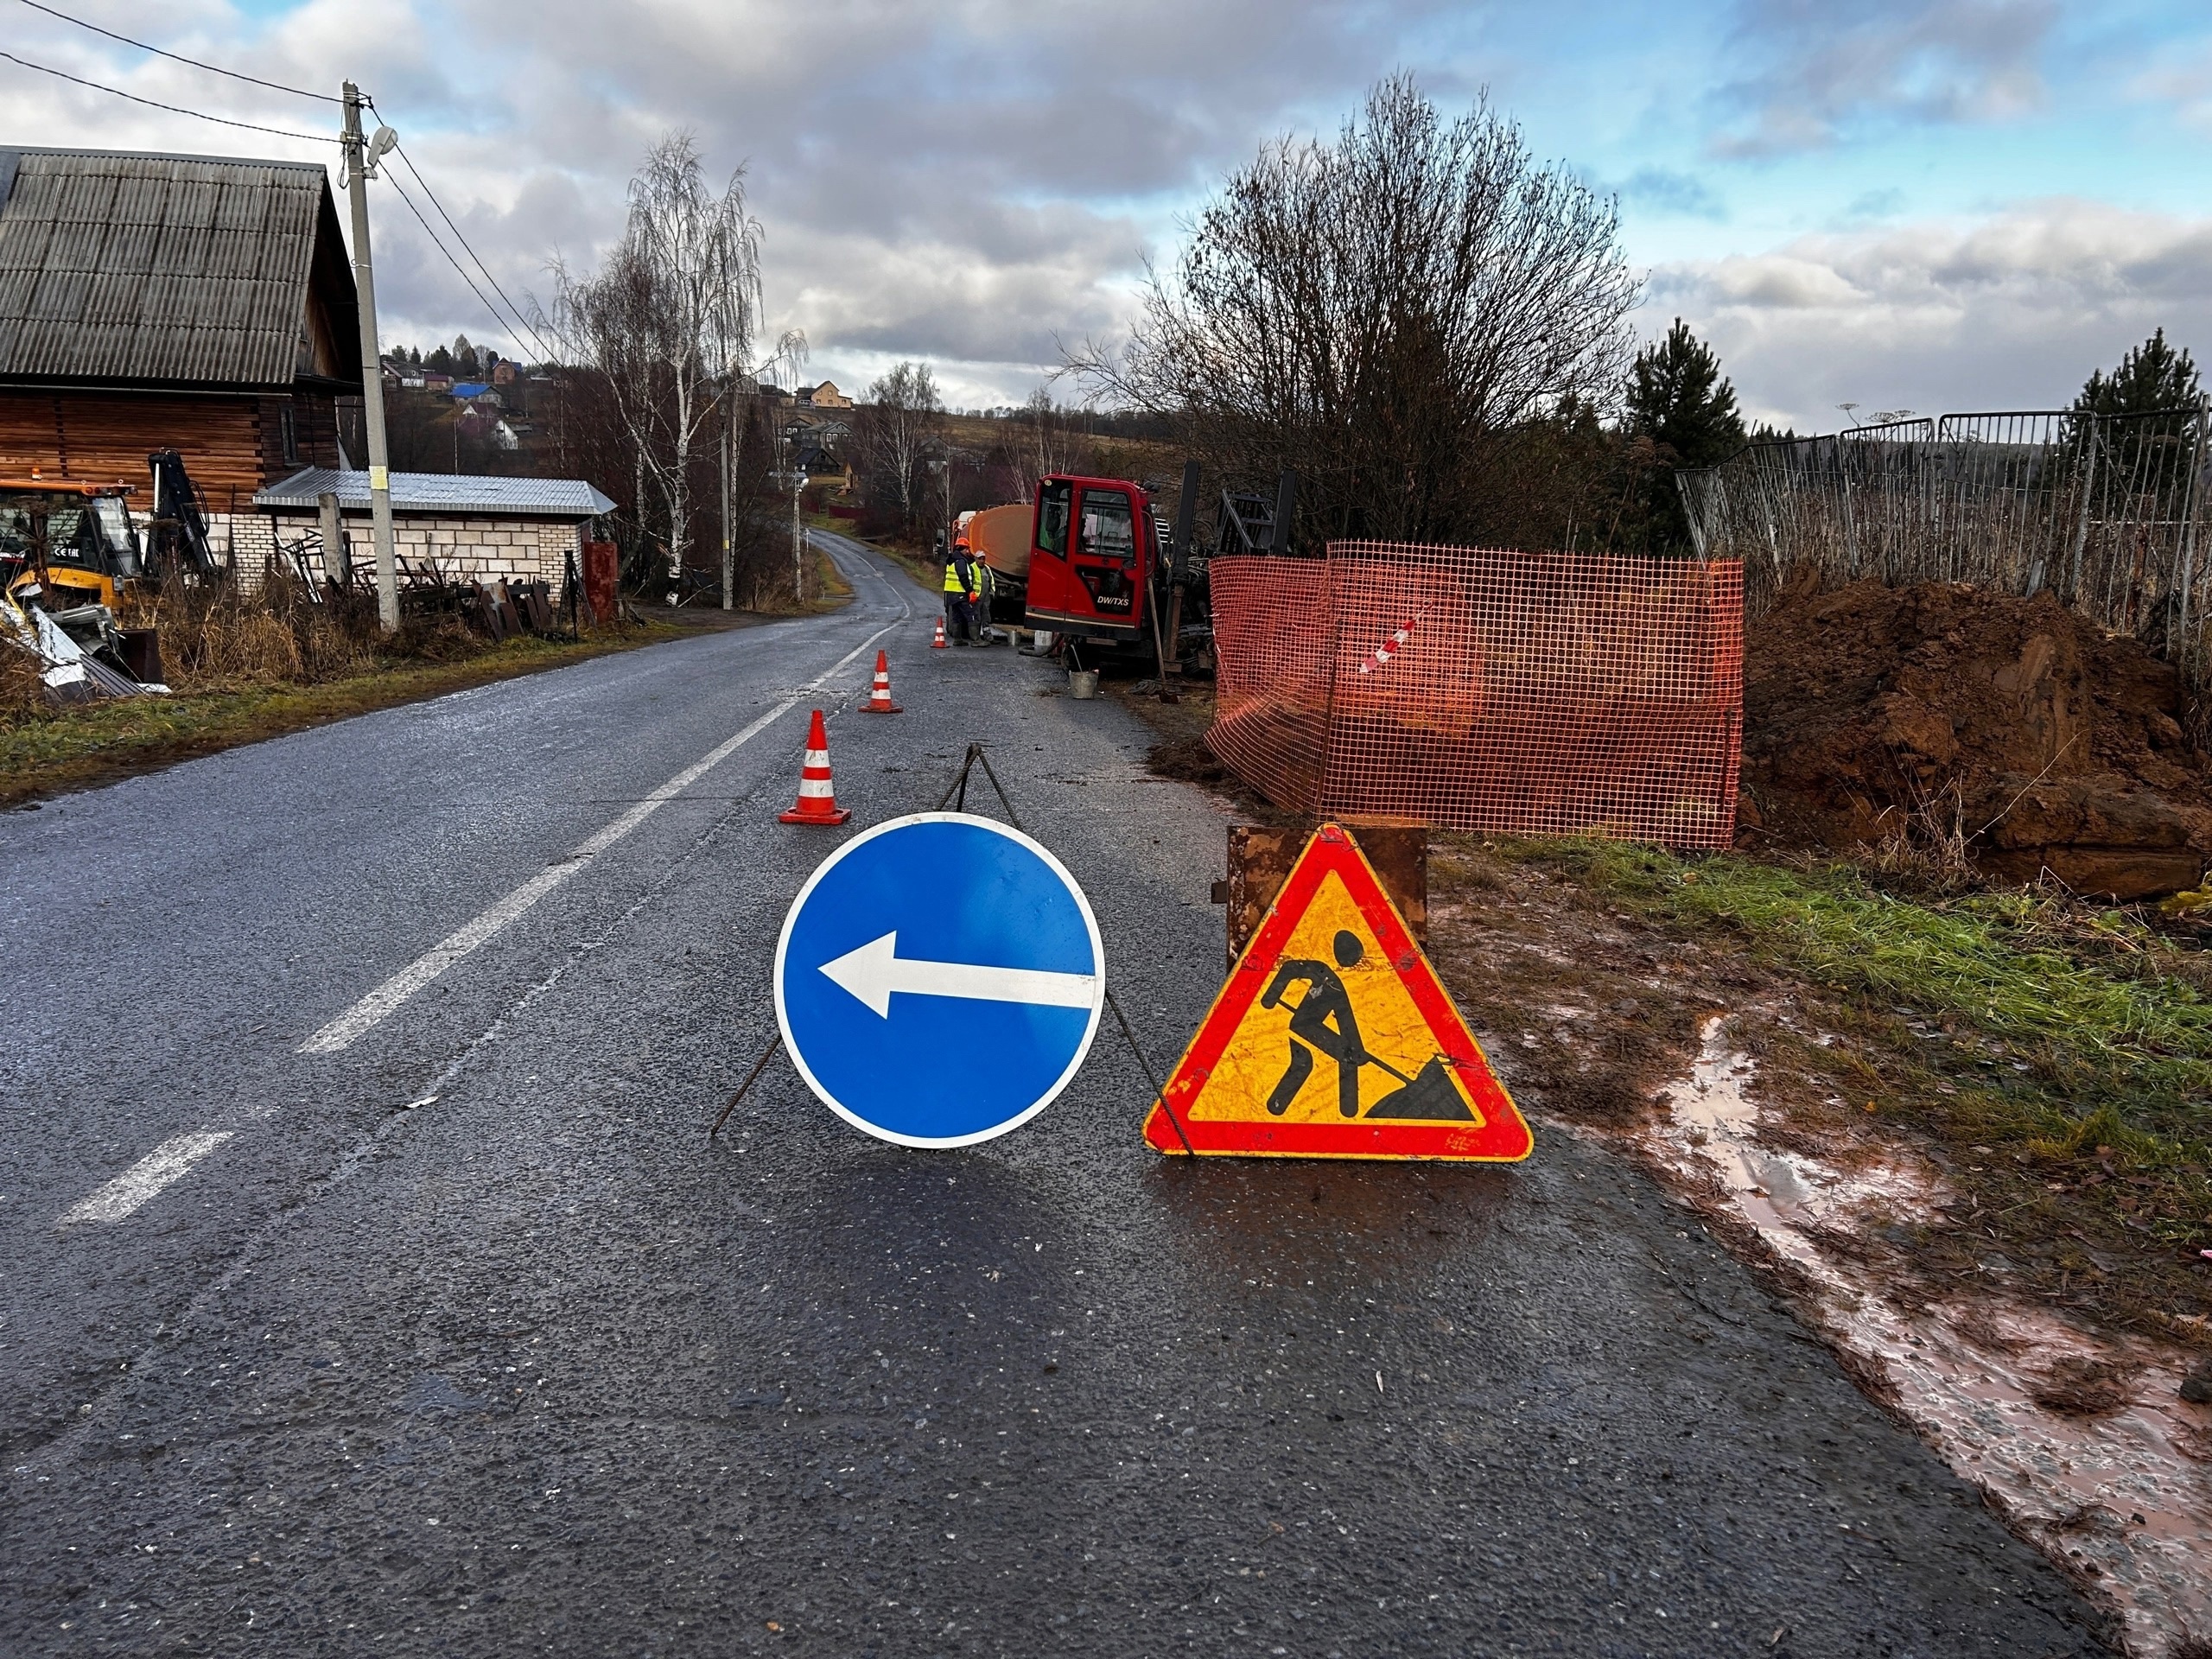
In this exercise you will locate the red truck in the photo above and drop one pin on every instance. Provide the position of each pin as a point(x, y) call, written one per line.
point(1095, 561)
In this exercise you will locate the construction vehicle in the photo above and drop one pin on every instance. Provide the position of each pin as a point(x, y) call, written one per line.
point(1105, 575)
point(72, 543)
point(998, 539)
point(179, 537)
point(76, 544)
point(1093, 550)
point(68, 550)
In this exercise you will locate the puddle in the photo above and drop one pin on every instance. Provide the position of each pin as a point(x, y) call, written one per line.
point(2113, 1499)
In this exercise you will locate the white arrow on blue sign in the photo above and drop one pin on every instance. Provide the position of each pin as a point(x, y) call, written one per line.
point(939, 980)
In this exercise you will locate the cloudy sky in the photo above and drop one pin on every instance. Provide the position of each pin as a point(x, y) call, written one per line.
point(1906, 204)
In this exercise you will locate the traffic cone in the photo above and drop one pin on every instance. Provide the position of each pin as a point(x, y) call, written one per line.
point(879, 700)
point(818, 797)
point(938, 644)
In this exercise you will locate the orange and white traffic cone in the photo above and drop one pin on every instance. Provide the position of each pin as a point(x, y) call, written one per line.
point(818, 797)
point(879, 700)
point(938, 644)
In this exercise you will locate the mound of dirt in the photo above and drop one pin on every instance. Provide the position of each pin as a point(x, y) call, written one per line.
point(1873, 715)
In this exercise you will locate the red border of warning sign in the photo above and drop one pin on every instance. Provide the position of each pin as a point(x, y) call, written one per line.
point(1501, 1137)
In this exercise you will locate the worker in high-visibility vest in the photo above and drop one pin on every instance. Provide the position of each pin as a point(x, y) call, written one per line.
point(979, 589)
point(981, 603)
point(960, 590)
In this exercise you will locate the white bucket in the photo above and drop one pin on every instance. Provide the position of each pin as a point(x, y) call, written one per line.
point(1082, 683)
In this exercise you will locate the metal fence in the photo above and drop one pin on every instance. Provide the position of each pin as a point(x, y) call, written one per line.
point(2107, 513)
point(1543, 693)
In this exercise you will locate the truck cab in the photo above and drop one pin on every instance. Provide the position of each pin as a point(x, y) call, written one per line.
point(1094, 548)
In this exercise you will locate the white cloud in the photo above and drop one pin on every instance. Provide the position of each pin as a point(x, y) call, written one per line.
point(2012, 311)
point(964, 181)
point(1815, 68)
point(2186, 87)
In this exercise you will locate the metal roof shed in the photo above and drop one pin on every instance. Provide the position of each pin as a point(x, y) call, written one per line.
point(485, 529)
point(440, 494)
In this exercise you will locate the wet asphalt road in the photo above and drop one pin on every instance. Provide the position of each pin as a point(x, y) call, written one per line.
point(533, 1368)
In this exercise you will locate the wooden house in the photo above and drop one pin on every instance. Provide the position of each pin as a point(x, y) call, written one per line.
point(197, 303)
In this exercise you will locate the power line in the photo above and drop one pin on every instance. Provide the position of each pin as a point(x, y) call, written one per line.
point(178, 57)
point(174, 109)
point(513, 309)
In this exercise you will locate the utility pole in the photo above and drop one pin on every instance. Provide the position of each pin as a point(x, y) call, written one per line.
point(360, 159)
point(729, 571)
point(798, 572)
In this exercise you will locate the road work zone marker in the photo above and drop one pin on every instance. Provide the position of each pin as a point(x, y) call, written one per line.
point(1334, 1038)
point(817, 792)
point(879, 697)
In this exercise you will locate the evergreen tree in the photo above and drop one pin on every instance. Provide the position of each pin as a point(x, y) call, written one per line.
point(1686, 414)
point(2152, 376)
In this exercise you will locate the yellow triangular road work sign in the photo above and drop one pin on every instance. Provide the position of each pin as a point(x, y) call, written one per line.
point(1334, 1038)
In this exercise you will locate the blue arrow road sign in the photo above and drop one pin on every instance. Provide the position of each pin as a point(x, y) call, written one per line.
point(939, 980)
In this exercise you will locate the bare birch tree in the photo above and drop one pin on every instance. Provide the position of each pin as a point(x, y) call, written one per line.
point(1382, 313)
point(903, 414)
point(670, 318)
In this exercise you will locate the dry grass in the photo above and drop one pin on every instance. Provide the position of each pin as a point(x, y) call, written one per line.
point(22, 694)
point(221, 637)
point(249, 664)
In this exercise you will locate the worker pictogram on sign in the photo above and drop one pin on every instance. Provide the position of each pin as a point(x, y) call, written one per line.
point(1333, 1039)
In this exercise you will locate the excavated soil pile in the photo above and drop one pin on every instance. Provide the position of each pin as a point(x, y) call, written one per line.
point(1873, 713)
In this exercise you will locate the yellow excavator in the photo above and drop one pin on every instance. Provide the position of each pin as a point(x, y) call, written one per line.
point(67, 549)
point(75, 543)
point(66, 543)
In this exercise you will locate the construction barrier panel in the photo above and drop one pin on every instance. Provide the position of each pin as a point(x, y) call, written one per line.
point(1522, 693)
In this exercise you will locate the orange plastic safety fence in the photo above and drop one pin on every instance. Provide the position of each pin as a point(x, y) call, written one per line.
point(1532, 693)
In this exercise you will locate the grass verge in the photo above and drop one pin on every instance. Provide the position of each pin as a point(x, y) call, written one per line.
point(100, 743)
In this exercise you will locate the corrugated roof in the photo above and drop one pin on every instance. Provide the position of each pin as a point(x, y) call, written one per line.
point(442, 492)
point(166, 270)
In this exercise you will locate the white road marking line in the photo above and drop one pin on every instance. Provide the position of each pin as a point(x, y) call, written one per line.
point(171, 1161)
point(381, 1003)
